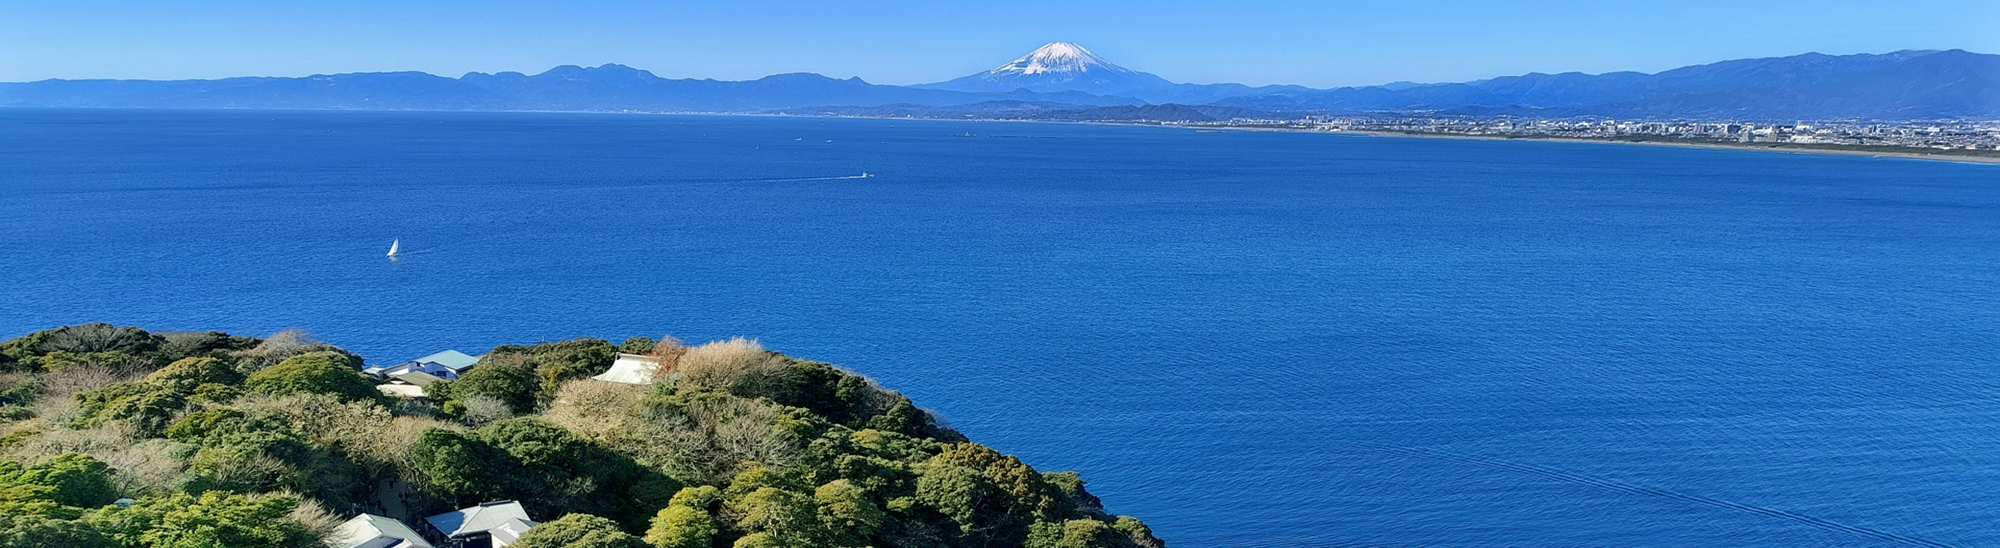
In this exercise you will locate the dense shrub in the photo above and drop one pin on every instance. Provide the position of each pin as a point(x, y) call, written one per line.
point(688, 521)
point(146, 406)
point(125, 348)
point(313, 373)
point(849, 514)
point(578, 531)
point(58, 488)
point(509, 382)
point(736, 365)
point(736, 447)
point(275, 460)
point(553, 364)
point(542, 464)
point(204, 343)
point(185, 375)
point(34, 531)
point(637, 345)
point(285, 345)
point(458, 466)
point(211, 520)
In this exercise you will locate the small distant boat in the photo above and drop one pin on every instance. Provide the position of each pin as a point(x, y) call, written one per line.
point(867, 175)
point(394, 245)
point(799, 139)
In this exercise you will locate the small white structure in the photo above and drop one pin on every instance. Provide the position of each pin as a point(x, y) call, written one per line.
point(407, 385)
point(509, 532)
point(444, 365)
point(372, 531)
point(631, 369)
point(502, 522)
point(400, 390)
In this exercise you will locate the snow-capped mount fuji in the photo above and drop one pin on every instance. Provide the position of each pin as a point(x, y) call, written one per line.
point(1058, 66)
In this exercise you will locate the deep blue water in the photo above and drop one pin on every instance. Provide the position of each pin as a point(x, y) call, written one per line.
point(1246, 339)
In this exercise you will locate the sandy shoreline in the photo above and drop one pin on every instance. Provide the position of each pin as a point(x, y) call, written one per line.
point(1989, 160)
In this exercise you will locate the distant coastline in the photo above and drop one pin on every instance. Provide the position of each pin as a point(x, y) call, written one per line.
point(1909, 153)
point(1989, 157)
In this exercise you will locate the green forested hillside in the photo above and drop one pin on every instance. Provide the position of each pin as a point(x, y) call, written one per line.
point(227, 441)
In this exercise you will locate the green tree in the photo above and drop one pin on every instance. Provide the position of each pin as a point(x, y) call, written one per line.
point(313, 373)
point(783, 514)
point(554, 363)
point(970, 500)
point(42, 532)
point(1138, 532)
point(148, 406)
point(510, 383)
point(215, 520)
point(277, 459)
point(578, 531)
point(848, 513)
point(637, 345)
point(459, 466)
point(86, 343)
point(554, 463)
point(100, 337)
point(202, 425)
point(1029, 491)
point(72, 479)
point(688, 521)
point(60, 488)
point(1074, 495)
point(184, 375)
point(1075, 533)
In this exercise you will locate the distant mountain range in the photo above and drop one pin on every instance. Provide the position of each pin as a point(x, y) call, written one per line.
point(1065, 81)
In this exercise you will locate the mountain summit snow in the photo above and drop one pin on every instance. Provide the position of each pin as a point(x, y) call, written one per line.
point(1057, 57)
point(1057, 66)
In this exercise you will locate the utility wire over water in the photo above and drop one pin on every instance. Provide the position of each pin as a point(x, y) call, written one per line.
point(1616, 485)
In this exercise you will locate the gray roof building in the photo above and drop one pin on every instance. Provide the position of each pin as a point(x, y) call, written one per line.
point(502, 522)
point(372, 531)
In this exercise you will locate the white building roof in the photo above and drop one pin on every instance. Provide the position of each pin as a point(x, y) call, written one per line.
point(372, 531)
point(479, 519)
point(509, 532)
point(631, 369)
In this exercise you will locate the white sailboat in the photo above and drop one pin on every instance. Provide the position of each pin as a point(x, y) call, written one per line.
point(393, 244)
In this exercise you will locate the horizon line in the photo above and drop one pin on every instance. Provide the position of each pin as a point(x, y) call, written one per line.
point(866, 81)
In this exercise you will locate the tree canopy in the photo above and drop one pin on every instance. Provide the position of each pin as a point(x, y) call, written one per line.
point(314, 373)
point(240, 442)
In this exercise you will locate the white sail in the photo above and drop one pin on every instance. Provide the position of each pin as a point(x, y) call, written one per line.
point(393, 244)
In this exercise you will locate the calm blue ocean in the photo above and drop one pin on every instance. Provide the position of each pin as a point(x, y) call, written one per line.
point(1245, 339)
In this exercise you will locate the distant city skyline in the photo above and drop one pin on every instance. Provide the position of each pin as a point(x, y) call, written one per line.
point(1318, 44)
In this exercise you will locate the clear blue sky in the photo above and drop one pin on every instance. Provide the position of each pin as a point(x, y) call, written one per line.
point(1317, 43)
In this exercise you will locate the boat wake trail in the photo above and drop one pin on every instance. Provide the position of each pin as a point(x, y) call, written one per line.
point(1615, 485)
point(801, 179)
point(795, 180)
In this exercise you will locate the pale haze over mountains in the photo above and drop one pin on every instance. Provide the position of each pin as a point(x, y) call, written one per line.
point(1062, 80)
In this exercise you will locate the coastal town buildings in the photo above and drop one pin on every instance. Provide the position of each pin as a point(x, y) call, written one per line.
point(1928, 134)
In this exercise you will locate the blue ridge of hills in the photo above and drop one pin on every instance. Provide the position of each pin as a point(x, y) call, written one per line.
point(1900, 85)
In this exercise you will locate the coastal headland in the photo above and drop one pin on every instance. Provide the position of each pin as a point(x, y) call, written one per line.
point(286, 442)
